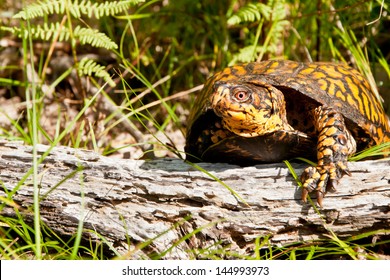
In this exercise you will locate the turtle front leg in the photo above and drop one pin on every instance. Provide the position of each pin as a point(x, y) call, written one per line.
point(335, 144)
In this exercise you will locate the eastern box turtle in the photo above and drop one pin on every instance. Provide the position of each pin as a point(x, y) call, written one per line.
point(275, 110)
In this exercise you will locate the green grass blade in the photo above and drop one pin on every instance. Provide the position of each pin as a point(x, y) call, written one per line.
point(233, 192)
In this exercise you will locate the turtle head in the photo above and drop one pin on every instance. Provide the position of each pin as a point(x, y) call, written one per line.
point(249, 109)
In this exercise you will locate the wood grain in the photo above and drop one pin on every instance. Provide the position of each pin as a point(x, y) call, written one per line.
point(132, 201)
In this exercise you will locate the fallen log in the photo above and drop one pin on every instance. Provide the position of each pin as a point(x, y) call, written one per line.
point(130, 202)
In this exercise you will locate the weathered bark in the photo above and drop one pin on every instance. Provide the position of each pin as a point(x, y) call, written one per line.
point(135, 200)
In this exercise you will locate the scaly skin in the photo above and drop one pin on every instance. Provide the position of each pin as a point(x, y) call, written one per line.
point(335, 144)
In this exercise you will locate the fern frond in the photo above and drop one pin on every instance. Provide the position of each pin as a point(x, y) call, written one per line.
point(83, 35)
point(246, 54)
point(251, 12)
point(278, 11)
point(108, 8)
point(76, 8)
point(89, 67)
point(272, 15)
point(44, 32)
point(94, 38)
point(40, 9)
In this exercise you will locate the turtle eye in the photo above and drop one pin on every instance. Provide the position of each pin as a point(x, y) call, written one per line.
point(241, 95)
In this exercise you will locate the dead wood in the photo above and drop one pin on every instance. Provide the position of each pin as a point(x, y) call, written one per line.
point(132, 201)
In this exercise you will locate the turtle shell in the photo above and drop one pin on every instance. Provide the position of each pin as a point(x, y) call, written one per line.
point(305, 86)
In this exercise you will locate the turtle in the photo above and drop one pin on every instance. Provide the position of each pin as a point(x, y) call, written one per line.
point(277, 110)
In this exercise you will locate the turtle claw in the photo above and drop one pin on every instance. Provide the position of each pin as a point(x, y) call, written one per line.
point(320, 197)
point(346, 172)
point(322, 179)
point(305, 193)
